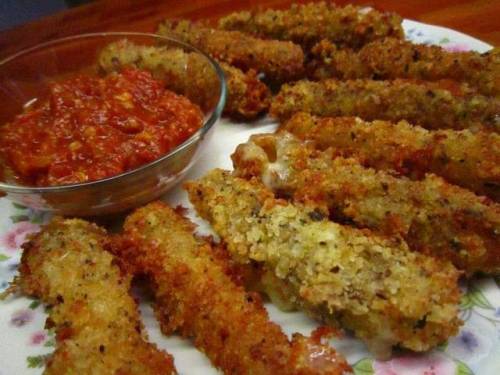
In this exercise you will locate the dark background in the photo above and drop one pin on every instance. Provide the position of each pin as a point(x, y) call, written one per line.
point(16, 12)
point(478, 18)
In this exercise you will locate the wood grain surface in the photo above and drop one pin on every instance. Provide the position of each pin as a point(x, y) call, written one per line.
point(479, 18)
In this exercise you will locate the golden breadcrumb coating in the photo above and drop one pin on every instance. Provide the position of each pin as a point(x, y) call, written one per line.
point(279, 61)
point(97, 322)
point(368, 283)
point(189, 74)
point(349, 26)
point(196, 297)
point(424, 104)
point(433, 216)
point(464, 158)
point(392, 58)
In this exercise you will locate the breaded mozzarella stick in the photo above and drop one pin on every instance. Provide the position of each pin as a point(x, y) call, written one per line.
point(392, 58)
point(348, 26)
point(464, 158)
point(189, 74)
point(433, 216)
point(368, 283)
point(194, 296)
point(279, 61)
point(423, 104)
point(97, 322)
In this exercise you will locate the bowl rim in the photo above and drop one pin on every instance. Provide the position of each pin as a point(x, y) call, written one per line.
point(200, 133)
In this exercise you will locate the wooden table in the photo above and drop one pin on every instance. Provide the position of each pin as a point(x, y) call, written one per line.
point(479, 18)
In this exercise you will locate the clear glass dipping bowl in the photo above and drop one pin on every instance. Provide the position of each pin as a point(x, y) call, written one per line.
point(25, 76)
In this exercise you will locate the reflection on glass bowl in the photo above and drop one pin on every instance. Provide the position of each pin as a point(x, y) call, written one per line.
point(25, 77)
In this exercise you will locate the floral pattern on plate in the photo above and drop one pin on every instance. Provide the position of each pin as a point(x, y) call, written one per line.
point(25, 345)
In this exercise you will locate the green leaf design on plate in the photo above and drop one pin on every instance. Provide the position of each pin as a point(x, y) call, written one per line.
point(478, 299)
point(37, 218)
point(444, 41)
point(50, 343)
point(443, 346)
point(18, 218)
point(465, 302)
point(33, 305)
point(363, 367)
point(4, 257)
point(37, 361)
point(19, 206)
point(462, 368)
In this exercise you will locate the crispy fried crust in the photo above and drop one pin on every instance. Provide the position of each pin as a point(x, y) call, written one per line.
point(248, 97)
point(426, 105)
point(371, 284)
point(465, 158)
point(190, 75)
point(98, 328)
point(279, 61)
point(434, 217)
point(196, 297)
point(392, 58)
point(349, 26)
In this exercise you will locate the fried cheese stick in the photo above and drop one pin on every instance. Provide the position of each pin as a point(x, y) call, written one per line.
point(189, 74)
point(97, 322)
point(368, 283)
point(392, 58)
point(420, 104)
point(464, 158)
point(196, 297)
point(279, 61)
point(433, 216)
point(349, 26)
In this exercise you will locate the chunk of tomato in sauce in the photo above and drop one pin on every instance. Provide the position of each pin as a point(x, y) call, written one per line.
point(91, 128)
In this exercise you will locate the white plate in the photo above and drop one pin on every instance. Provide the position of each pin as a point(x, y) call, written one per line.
point(476, 350)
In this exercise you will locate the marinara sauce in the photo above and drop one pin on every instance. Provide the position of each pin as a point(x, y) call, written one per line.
point(91, 128)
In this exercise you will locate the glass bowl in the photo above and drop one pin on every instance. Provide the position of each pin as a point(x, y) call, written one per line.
point(25, 76)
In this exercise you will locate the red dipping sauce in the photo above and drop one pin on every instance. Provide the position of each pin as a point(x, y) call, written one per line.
point(92, 128)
